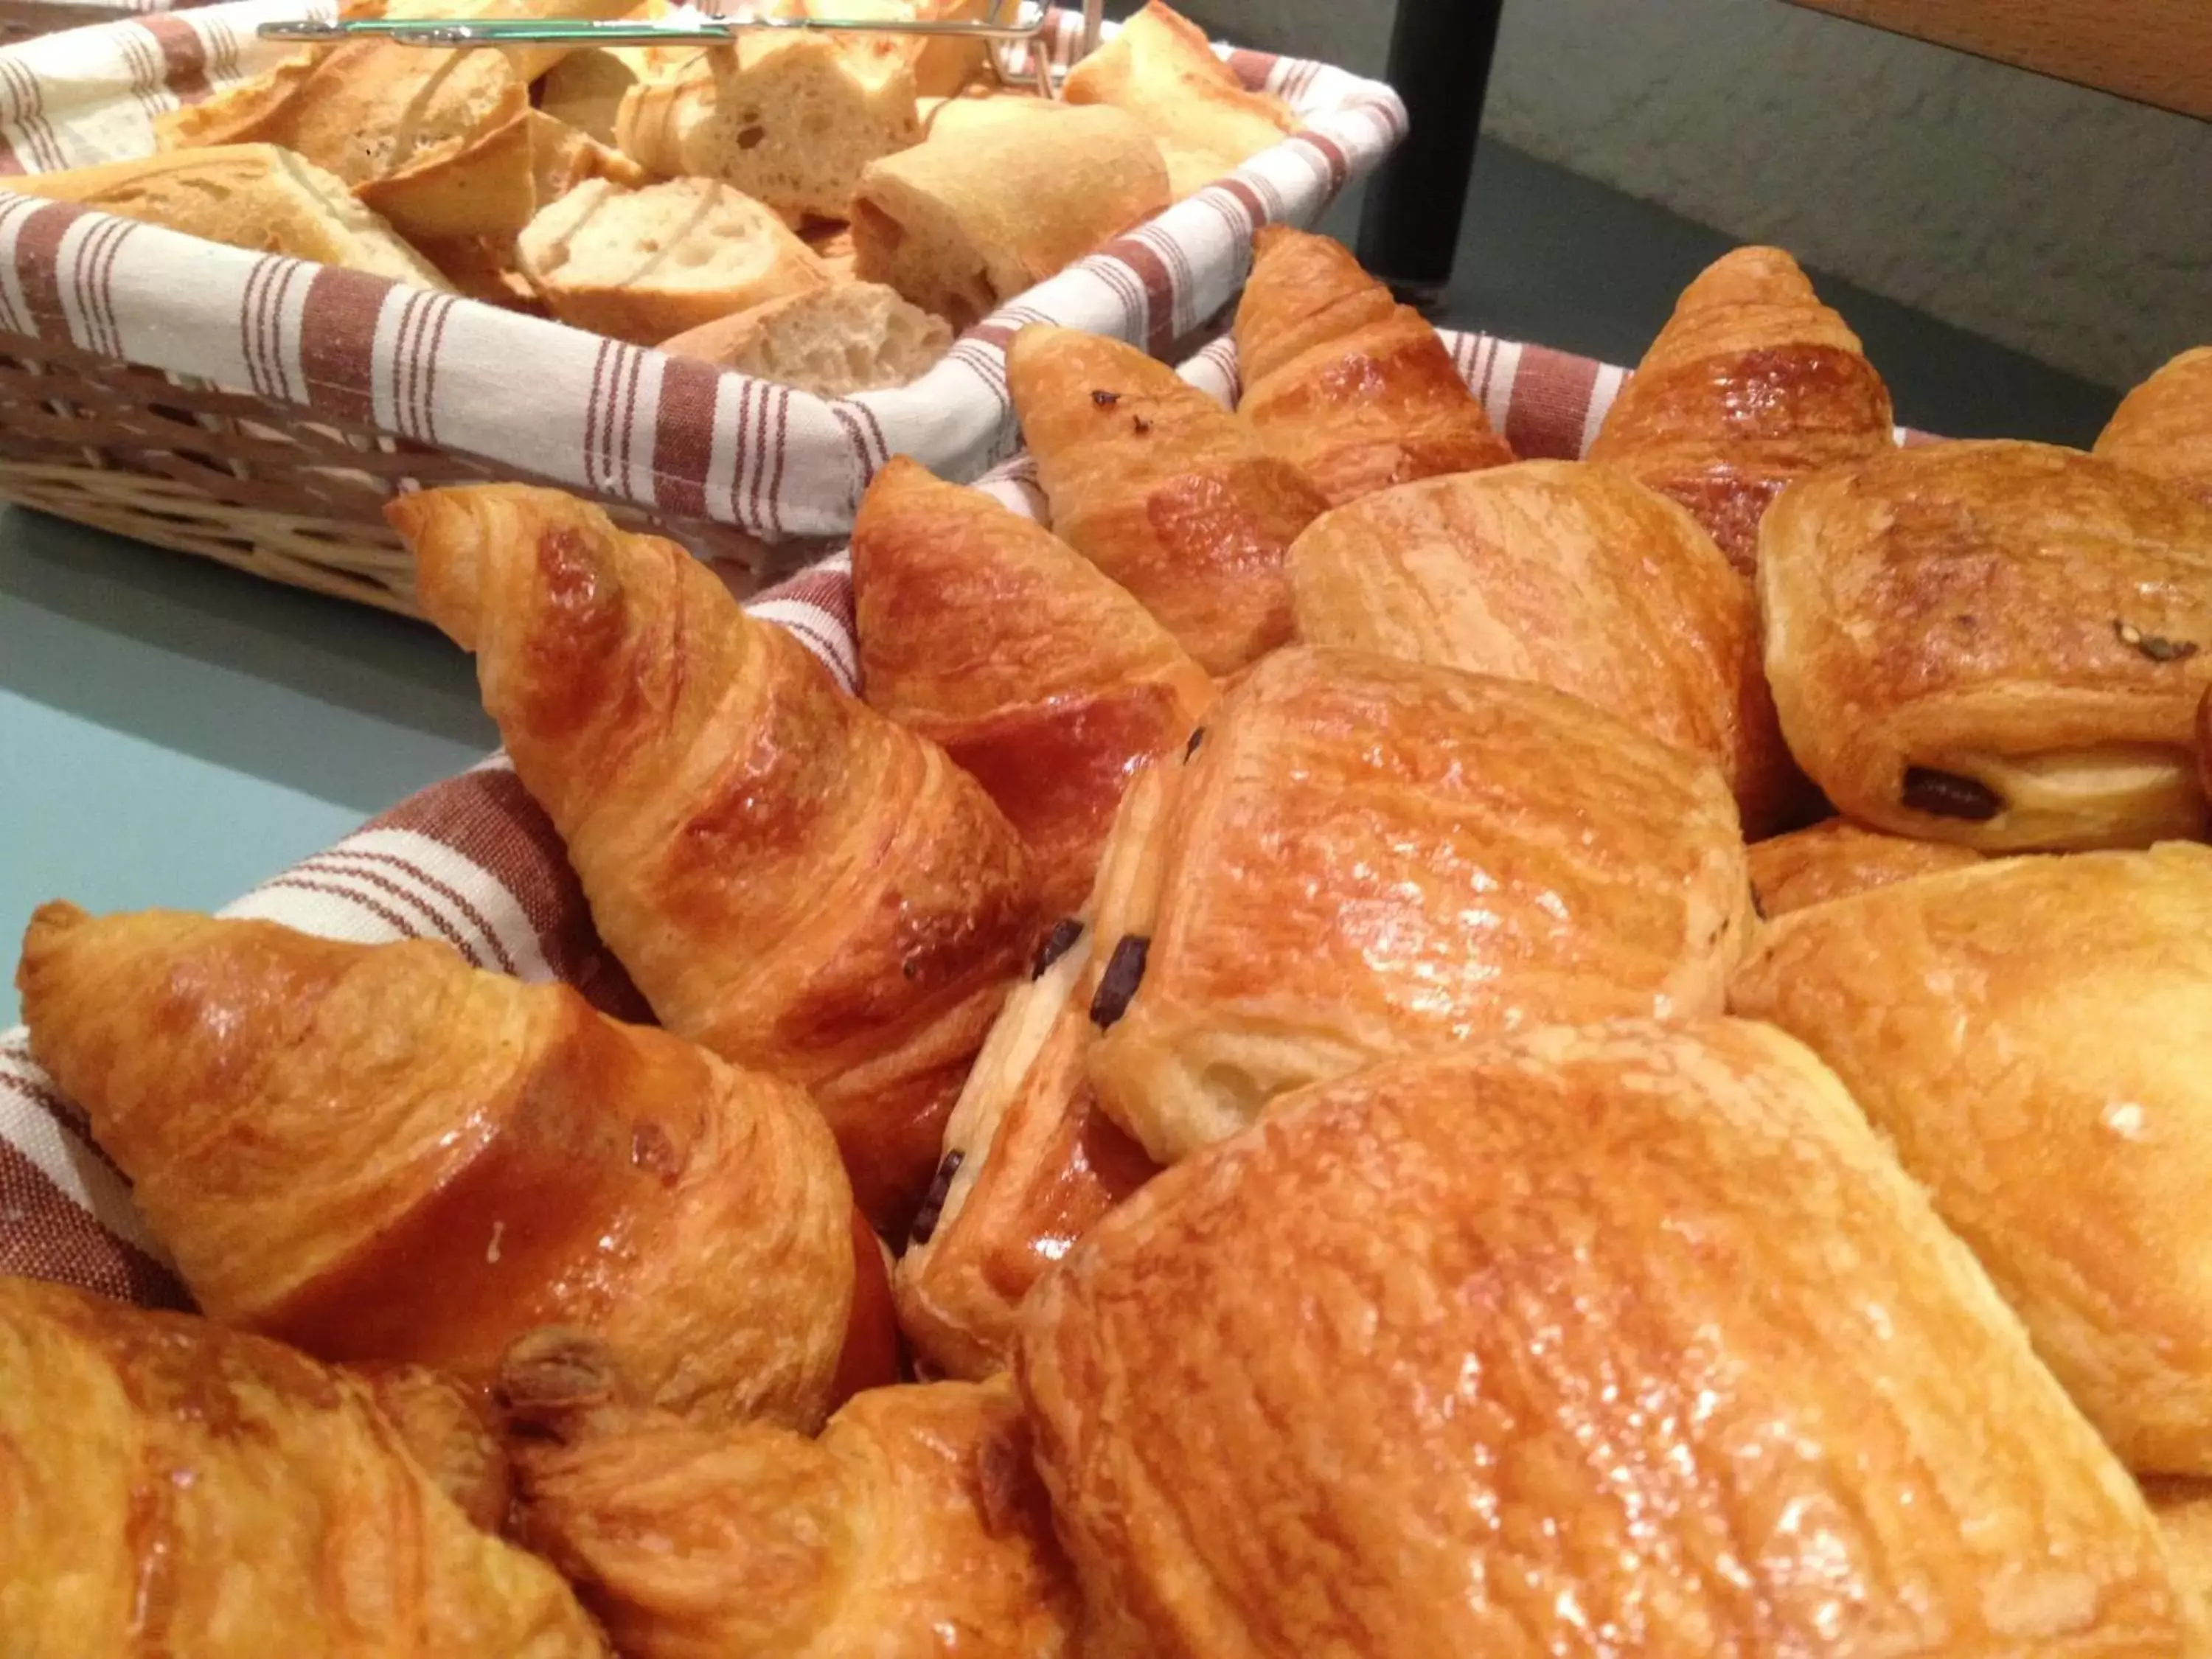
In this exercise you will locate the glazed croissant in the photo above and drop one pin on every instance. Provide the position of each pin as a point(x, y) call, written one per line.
point(1998, 644)
point(1751, 384)
point(989, 635)
point(1628, 1338)
point(1353, 388)
point(1838, 859)
point(1574, 576)
point(1363, 858)
point(378, 1152)
point(174, 1487)
point(2031, 1036)
point(914, 1526)
point(792, 881)
point(1170, 495)
point(2164, 427)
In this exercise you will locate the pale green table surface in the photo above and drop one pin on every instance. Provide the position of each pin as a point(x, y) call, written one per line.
point(172, 732)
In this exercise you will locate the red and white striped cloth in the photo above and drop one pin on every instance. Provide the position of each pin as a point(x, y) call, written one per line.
point(676, 437)
point(474, 862)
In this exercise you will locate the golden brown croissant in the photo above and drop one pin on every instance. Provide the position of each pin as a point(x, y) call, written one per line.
point(1838, 859)
point(1164, 490)
point(1998, 644)
point(793, 881)
point(1618, 1339)
point(1365, 857)
point(989, 635)
point(2184, 1508)
point(168, 1487)
point(450, 1428)
point(1571, 576)
point(1030, 1164)
point(1355, 389)
point(2031, 1036)
point(378, 1152)
point(1753, 383)
point(2164, 427)
point(914, 1526)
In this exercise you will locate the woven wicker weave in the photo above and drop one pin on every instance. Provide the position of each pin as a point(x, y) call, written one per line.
point(237, 478)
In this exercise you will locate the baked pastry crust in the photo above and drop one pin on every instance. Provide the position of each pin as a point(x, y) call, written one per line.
point(1998, 644)
point(2030, 1035)
point(1836, 858)
point(1365, 857)
point(1570, 574)
point(1629, 1339)
point(2164, 427)
point(1751, 384)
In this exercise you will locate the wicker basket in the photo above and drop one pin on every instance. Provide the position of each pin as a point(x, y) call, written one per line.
point(248, 483)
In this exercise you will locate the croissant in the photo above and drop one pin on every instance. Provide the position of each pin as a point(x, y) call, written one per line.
point(914, 1526)
point(2164, 427)
point(792, 881)
point(2184, 1508)
point(1363, 858)
point(1838, 859)
point(1571, 576)
point(1629, 1339)
point(1996, 644)
point(174, 1487)
point(1030, 1164)
point(378, 1152)
point(2030, 1034)
point(1356, 390)
point(1049, 684)
point(1168, 493)
point(1753, 383)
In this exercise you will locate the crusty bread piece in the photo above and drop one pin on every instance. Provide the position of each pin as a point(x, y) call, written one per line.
point(528, 62)
point(857, 336)
point(960, 224)
point(642, 266)
point(485, 185)
point(953, 118)
point(788, 119)
point(255, 196)
point(586, 88)
point(562, 158)
point(1161, 69)
point(942, 65)
point(372, 110)
point(832, 243)
point(484, 268)
point(252, 111)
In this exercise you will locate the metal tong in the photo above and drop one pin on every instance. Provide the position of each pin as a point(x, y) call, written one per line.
point(1024, 30)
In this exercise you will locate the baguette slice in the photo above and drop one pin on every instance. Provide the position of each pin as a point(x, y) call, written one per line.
point(941, 64)
point(960, 224)
point(255, 196)
point(788, 119)
point(1161, 69)
point(855, 337)
point(642, 266)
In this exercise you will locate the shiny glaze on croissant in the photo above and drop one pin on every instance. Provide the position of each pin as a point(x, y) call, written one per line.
point(1838, 859)
point(377, 1153)
point(168, 1486)
point(1998, 644)
point(2031, 1036)
point(1356, 390)
point(1365, 857)
point(914, 1526)
point(1751, 384)
point(792, 881)
point(1574, 576)
point(1612, 1339)
point(1164, 490)
point(2164, 427)
point(990, 637)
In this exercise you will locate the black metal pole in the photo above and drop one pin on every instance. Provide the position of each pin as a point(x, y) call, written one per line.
point(1440, 54)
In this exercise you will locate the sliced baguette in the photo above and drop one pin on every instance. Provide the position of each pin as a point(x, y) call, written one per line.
point(255, 196)
point(960, 224)
point(858, 336)
point(643, 265)
point(789, 119)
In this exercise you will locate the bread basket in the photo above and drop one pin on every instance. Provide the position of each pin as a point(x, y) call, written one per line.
point(259, 412)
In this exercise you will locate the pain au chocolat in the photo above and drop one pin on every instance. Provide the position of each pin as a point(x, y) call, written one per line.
point(1570, 574)
point(2164, 427)
point(1361, 858)
point(1998, 644)
point(1836, 858)
point(2031, 1036)
point(1623, 1339)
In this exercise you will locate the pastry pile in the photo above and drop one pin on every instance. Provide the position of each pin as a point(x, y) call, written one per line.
point(823, 209)
point(1363, 1047)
